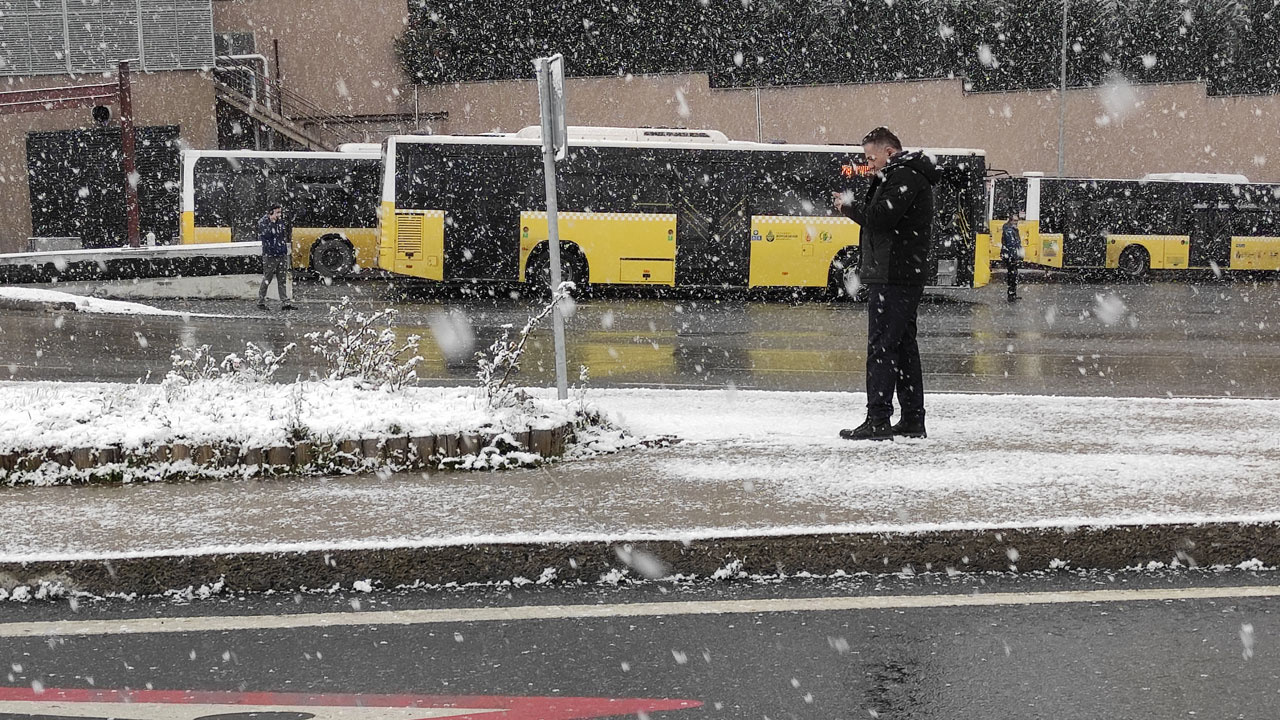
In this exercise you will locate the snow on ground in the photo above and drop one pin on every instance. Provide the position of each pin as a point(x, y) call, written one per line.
point(204, 287)
point(85, 304)
point(752, 463)
point(242, 412)
point(1021, 458)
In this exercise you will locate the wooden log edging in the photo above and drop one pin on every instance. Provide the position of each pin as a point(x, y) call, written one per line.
point(307, 457)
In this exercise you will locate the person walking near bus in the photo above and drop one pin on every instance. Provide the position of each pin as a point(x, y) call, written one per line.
point(896, 219)
point(274, 236)
point(1011, 254)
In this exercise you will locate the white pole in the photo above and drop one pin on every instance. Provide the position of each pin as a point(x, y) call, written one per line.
point(553, 223)
point(759, 123)
point(1062, 99)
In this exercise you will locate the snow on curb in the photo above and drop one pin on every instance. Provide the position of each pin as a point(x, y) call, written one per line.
point(39, 299)
point(67, 433)
point(1217, 546)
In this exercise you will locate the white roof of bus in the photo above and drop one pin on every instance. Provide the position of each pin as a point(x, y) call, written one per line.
point(363, 154)
point(1197, 177)
point(632, 137)
point(1222, 179)
point(360, 147)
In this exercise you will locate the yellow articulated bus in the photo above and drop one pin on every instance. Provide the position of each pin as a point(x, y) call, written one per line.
point(330, 201)
point(1165, 222)
point(653, 207)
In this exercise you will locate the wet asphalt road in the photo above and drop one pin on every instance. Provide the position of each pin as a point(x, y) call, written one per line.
point(1066, 337)
point(1153, 658)
point(1156, 658)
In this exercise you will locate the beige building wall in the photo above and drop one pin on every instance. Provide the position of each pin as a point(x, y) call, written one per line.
point(1111, 132)
point(179, 98)
point(339, 54)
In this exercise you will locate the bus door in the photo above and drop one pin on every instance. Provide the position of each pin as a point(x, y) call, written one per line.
point(710, 191)
point(952, 231)
point(482, 199)
point(1084, 241)
point(1211, 237)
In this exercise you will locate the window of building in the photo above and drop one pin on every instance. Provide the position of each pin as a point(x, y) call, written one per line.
point(74, 36)
point(234, 43)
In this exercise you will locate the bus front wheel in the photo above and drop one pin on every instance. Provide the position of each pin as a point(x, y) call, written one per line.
point(1135, 261)
point(332, 256)
point(573, 268)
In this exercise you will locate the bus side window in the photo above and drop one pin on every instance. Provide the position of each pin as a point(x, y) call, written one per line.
point(1249, 223)
point(274, 188)
point(211, 197)
point(419, 179)
point(578, 192)
point(319, 203)
point(1270, 224)
point(1050, 213)
point(361, 189)
point(646, 193)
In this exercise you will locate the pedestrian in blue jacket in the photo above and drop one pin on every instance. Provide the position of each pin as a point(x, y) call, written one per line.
point(1011, 254)
point(274, 236)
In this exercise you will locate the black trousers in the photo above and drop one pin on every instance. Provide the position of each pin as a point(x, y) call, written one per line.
point(1011, 276)
point(893, 357)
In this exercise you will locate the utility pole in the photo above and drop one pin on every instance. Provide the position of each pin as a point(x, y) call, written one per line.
point(1062, 98)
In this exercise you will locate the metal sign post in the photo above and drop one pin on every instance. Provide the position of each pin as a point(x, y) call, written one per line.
point(554, 147)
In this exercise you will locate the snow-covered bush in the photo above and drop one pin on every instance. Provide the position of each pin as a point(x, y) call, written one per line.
point(501, 361)
point(256, 364)
point(193, 363)
point(364, 347)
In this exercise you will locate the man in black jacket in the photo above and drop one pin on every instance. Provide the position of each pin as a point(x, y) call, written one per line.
point(896, 220)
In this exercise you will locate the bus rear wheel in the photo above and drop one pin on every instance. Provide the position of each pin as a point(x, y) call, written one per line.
point(1134, 261)
point(332, 256)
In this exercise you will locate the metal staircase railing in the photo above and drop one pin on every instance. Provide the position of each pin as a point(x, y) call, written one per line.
point(242, 82)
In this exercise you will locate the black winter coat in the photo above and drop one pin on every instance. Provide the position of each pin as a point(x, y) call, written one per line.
point(897, 221)
point(1010, 242)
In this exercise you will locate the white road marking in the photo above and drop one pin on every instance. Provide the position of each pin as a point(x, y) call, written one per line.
point(141, 626)
point(192, 711)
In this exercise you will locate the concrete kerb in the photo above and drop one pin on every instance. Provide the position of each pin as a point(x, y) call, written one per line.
point(37, 305)
point(1024, 549)
point(185, 460)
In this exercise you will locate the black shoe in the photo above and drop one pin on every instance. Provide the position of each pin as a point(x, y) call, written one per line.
point(869, 430)
point(262, 306)
point(910, 428)
point(1014, 298)
point(286, 306)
